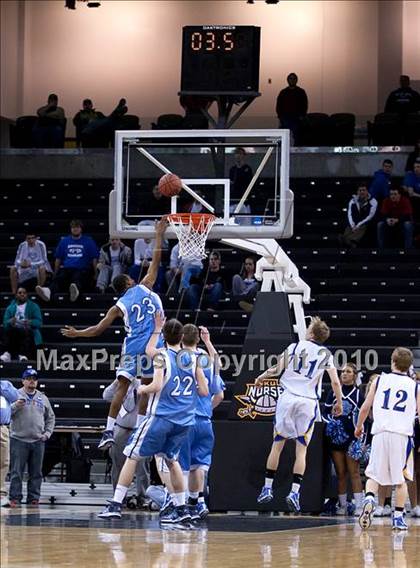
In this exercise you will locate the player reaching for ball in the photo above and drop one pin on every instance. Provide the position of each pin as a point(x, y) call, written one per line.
point(137, 307)
point(303, 364)
point(395, 397)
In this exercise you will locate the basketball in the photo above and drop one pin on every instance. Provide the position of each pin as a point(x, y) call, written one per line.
point(170, 185)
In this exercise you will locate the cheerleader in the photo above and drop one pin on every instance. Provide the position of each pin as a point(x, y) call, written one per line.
point(340, 434)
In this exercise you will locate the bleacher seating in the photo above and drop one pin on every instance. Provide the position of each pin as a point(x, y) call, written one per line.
point(370, 298)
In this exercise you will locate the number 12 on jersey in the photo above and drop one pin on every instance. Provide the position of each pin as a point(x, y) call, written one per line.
point(401, 396)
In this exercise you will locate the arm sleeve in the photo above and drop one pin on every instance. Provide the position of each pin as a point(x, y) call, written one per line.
point(349, 215)
point(137, 252)
point(103, 258)
point(7, 316)
point(49, 418)
point(8, 391)
point(43, 251)
point(36, 320)
point(408, 181)
point(174, 259)
point(93, 249)
point(304, 102)
point(60, 250)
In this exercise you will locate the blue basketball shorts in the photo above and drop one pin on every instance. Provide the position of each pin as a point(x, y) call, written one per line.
point(197, 450)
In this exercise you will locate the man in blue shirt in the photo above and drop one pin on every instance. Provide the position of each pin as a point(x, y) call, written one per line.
point(177, 381)
point(8, 395)
point(381, 183)
point(411, 184)
point(76, 257)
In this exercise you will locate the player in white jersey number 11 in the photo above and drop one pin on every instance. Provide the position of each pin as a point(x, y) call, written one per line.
point(302, 364)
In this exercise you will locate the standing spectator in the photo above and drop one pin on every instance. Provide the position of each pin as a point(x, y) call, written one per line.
point(292, 105)
point(22, 324)
point(76, 257)
point(345, 466)
point(245, 286)
point(209, 287)
point(49, 129)
point(114, 259)
point(360, 212)
point(240, 174)
point(404, 100)
point(126, 423)
point(86, 115)
point(31, 264)
point(397, 217)
point(412, 157)
point(181, 271)
point(32, 424)
point(8, 395)
point(381, 183)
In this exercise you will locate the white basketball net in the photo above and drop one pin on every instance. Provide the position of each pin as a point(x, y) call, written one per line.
point(192, 234)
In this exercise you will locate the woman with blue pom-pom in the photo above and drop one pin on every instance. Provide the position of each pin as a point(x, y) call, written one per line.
point(340, 436)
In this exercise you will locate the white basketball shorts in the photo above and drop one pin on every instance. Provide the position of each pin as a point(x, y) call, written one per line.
point(391, 459)
point(295, 417)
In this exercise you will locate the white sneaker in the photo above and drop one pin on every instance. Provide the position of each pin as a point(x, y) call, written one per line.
point(6, 357)
point(387, 511)
point(22, 358)
point(43, 292)
point(74, 292)
point(4, 501)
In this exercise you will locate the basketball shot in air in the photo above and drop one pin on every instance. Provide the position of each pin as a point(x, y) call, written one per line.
point(137, 306)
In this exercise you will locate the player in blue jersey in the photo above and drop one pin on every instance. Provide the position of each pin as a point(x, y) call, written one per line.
point(196, 452)
point(177, 380)
point(137, 306)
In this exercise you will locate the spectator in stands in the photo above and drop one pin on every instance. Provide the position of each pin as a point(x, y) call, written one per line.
point(409, 166)
point(85, 116)
point(245, 286)
point(31, 264)
point(126, 423)
point(240, 174)
point(292, 105)
point(22, 324)
point(8, 395)
point(404, 100)
point(99, 132)
point(48, 131)
point(194, 105)
point(75, 258)
point(209, 287)
point(397, 219)
point(32, 424)
point(181, 271)
point(381, 183)
point(411, 181)
point(340, 440)
point(360, 212)
point(114, 259)
point(143, 252)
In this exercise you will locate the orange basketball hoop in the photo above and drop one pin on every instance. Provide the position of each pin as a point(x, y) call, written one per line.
point(192, 230)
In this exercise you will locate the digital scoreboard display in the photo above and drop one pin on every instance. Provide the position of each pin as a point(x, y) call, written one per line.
point(220, 59)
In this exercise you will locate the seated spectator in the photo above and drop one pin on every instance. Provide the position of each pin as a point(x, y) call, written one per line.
point(22, 322)
point(99, 132)
point(345, 466)
point(181, 271)
point(397, 219)
point(360, 212)
point(411, 182)
point(291, 105)
point(143, 252)
point(245, 286)
point(86, 115)
point(412, 157)
point(48, 131)
point(404, 100)
point(76, 258)
point(209, 287)
point(381, 183)
point(114, 259)
point(31, 264)
point(33, 422)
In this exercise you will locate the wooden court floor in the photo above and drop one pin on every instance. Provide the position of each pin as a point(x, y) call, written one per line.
point(58, 536)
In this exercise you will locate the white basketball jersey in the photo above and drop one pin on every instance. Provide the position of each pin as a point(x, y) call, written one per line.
point(394, 405)
point(304, 367)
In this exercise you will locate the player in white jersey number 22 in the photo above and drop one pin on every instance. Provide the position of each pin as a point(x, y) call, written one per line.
point(297, 408)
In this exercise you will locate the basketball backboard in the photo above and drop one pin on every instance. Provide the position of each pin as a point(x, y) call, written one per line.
point(241, 176)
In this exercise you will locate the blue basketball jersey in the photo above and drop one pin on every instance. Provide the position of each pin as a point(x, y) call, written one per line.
point(139, 305)
point(177, 400)
point(215, 384)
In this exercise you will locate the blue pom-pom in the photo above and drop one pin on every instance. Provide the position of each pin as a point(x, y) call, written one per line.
point(359, 451)
point(336, 432)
